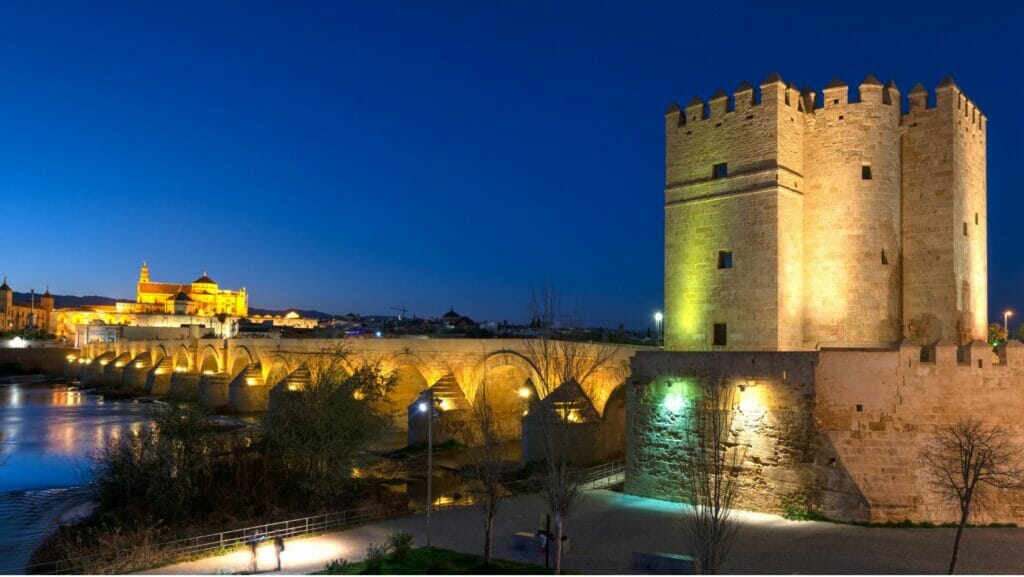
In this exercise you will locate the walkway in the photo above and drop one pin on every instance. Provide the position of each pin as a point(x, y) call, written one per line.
point(608, 526)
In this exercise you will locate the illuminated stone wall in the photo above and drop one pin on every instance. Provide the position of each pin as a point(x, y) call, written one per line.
point(852, 291)
point(774, 422)
point(819, 198)
point(751, 213)
point(840, 430)
point(946, 271)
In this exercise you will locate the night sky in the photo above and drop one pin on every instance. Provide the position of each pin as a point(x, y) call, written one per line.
point(357, 157)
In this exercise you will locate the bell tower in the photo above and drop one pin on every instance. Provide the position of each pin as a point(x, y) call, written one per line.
point(144, 273)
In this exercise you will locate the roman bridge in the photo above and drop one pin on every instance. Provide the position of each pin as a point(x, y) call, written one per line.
point(241, 373)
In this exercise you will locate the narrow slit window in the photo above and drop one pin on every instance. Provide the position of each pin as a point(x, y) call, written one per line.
point(965, 229)
point(885, 259)
point(725, 259)
point(720, 170)
point(865, 172)
point(721, 335)
point(975, 218)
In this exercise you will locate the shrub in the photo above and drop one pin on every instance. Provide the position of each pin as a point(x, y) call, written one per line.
point(336, 567)
point(400, 543)
point(375, 556)
point(798, 508)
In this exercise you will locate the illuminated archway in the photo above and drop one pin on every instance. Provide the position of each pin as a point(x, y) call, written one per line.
point(240, 359)
point(182, 360)
point(209, 361)
point(409, 383)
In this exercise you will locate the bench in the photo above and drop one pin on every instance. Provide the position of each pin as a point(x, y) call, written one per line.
point(525, 541)
point(528, 541)
point(666, 563)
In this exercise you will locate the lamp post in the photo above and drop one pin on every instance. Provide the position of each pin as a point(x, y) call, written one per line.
point(430, 406)
point(1006, 322)
point(658, 318)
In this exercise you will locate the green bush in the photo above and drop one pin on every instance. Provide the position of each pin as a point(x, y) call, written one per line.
point(336, 567)
point(375, 557)
point(798, 508)
point(400, 543)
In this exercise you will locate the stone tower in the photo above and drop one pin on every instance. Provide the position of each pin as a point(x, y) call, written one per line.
point(144, 273)
point(796, 223)
point(945, 222)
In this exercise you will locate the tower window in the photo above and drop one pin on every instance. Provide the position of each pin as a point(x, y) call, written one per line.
point(885, 259)
point(720, 170)
point(720, 336)
point(965, 229)
point(865, 172)
point(975, 218)
point(725, 259)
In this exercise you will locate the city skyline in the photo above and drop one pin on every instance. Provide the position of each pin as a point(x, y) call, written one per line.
point(356, 158)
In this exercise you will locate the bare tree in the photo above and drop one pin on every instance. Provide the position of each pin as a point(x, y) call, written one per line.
point(712, 461)
point(558, 359)
point(968, 462)
point(488, 465)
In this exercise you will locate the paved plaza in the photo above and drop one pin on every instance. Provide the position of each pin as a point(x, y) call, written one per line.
point(608, 526)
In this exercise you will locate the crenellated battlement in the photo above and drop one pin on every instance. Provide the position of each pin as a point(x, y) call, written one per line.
point(773, 90)
point(949, 98)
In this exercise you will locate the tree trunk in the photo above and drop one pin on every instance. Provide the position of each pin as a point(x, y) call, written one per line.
point(557, 567)
point(956, 542)
point(488, 525)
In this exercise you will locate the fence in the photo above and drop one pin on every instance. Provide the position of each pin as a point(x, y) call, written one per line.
point(597, 477)
point(193, 546)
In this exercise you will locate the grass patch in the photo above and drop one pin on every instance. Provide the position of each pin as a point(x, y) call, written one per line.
point(421, 448)
point(433, 560)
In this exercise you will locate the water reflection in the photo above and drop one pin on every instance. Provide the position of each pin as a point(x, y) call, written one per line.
point(48, 434)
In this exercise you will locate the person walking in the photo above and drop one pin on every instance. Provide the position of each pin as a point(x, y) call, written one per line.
point(278, 549)
point(254, 544)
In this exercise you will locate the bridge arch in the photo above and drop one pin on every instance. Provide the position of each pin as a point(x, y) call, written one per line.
point(509, 380)
point(240, 358)
point(275, 370)
point(409, 383)
point(158, 354)
point(182, 360)
point(209, 360)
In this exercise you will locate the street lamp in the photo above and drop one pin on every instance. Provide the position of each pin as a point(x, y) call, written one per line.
point(430, 405)
point(658, 318)
point(1006, 322)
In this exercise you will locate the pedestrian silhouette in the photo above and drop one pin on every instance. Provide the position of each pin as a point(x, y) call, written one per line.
point(278, 549)
point(254, 544)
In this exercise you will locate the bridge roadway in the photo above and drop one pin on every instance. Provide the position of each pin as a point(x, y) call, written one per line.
point(240, 373)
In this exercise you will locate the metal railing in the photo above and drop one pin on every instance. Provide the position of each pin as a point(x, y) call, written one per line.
point(123, 560)
point(223, 540)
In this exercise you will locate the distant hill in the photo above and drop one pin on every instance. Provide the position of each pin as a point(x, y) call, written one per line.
point(67, 301)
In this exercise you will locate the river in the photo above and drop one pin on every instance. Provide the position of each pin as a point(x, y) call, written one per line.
point(47, 435)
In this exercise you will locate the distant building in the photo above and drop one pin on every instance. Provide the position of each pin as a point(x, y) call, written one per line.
point(292, 319)
point(201, 304)
point(201, 297)
point(453, 320)
point(19, 315)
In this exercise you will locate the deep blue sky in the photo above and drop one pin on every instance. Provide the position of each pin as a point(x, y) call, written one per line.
point(347, 156)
